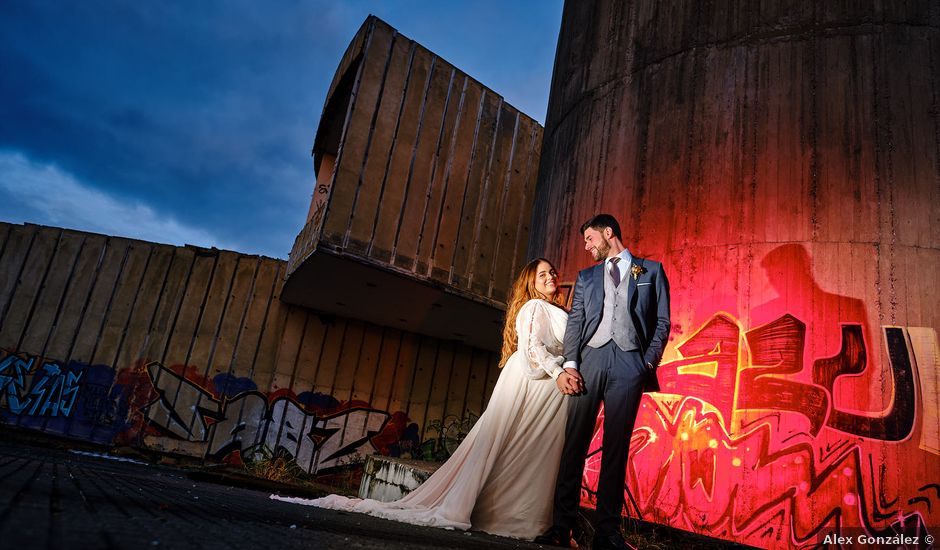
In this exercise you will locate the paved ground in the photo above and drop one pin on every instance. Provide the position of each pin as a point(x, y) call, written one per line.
point(57, 498)
point(51, 498)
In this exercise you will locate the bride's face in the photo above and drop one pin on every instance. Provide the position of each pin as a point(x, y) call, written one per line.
point(546, 280)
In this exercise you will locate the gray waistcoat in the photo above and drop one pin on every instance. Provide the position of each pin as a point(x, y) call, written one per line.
point(615, 323)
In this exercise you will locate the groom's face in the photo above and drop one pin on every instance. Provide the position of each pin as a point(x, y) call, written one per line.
point(596, 243)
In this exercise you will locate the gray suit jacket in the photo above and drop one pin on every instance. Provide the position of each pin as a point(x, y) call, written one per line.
point(648, 296)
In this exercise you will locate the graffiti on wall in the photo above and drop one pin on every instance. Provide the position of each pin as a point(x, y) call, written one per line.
point(89, 402)
point(744, 443)
point(252, 423)
point(769, 383)
point(49, 391)
point(226, 416)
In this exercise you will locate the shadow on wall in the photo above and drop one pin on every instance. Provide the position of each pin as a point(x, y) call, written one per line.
point(789, 271)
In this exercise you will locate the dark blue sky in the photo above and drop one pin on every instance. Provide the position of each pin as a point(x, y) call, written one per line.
point(192, 122)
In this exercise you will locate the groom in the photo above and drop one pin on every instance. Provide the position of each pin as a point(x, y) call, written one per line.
point(617, 330)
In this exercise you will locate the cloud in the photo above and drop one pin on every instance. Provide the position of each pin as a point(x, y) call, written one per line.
point(44, 194)
point(207, 111)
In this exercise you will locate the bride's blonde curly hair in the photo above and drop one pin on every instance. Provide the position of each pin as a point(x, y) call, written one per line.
point(523, 290)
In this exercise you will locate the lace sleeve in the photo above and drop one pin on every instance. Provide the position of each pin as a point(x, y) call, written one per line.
point(533, 325)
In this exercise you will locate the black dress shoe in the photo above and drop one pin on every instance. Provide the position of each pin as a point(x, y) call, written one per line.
point(556, 536)
point(611, 542)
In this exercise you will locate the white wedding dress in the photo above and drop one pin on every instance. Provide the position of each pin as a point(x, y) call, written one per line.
point(501, 479)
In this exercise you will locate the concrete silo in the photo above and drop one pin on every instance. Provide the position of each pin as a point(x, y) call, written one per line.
point(783, 160)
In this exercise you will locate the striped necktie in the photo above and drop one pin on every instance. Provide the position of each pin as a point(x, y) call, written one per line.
point(615, 271)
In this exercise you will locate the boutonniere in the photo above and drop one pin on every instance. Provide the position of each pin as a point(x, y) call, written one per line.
point(637, 270)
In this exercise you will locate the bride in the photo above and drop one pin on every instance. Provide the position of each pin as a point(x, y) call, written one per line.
point(501, 478)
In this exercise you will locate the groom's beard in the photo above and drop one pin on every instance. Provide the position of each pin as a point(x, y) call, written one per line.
point(601, 250)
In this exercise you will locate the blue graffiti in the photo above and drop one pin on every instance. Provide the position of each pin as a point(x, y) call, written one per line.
point(317, 401)
point(13, 371)
point(229, 385)
point(52, 393)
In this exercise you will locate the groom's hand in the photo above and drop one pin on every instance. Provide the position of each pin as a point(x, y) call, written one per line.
point(564, 383)
point(578, 381)
point(570, 382)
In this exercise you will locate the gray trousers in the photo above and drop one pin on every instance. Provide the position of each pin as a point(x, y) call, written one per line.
point(615, 377)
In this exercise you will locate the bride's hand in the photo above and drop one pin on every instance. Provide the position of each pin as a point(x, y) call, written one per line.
point(570, 382)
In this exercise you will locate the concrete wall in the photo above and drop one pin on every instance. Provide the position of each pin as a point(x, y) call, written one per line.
point(421, 169)
point(782, 160)
point(188, 350)
point(425, 180)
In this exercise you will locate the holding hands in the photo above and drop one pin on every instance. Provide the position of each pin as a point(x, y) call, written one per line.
point(570, 382)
